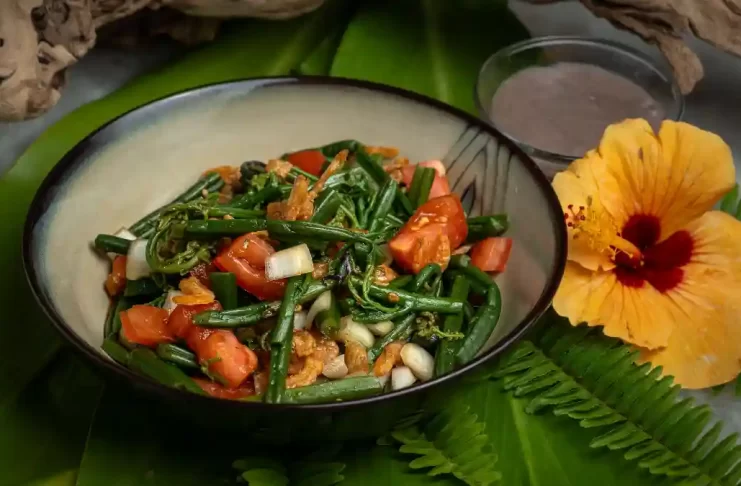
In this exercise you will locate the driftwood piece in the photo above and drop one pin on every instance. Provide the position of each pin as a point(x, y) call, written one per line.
point(40, 39)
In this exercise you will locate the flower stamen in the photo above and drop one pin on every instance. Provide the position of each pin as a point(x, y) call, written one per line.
point(602, 234)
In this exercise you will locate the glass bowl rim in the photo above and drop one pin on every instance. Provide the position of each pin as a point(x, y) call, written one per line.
point(588, 41)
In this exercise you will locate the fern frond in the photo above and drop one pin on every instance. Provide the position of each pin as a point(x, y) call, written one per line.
point(581, 374)
point(312, 470)
point(453, 442)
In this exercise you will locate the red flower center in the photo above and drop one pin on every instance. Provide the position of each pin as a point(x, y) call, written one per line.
point(662, 263)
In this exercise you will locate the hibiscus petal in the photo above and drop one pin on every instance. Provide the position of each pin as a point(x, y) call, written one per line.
point(573, 189)
point(676, 176)
point(636, 315)
point(705, 347)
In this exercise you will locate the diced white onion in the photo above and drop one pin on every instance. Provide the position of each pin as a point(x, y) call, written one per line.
point(380, 328)
point(299, 320)
point(289, 263)
point(335, 369)
point(170, 304)
point(418, 360)
point(126, 235)
point(136, 261)
point(354, 331)
point(402, 377)
point(462, 250)
point(321, 303)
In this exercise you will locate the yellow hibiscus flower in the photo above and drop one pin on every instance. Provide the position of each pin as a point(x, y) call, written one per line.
point(648, 257)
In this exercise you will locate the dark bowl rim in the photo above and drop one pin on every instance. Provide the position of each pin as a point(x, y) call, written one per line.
point(161, 391)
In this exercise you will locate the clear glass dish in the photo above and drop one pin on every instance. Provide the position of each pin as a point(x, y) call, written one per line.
point(654, 78)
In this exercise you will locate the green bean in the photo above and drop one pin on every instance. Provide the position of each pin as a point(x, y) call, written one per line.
point(292, 229)
point(280, 342)
point(328, 320)
point(382, 205)
point(481, 327)
point(143, 286)
point(401, 331)
point(295, 172)
point(116, 351)
point(401, 281)
point(419, 189)
point(335, 391)
point(475, 286)
point(223, 227)
point(366, 316)
point(255, 313)
point(236, 213)
point(177, 356)
point(112, 244)
point(418, 301)
point(351, 178)
point(393, 220)
point(146, 225)
point(364, 209)
point(482, 227)
point(371, 167)
point(239, 317)
point(379, 176)
point(314, 288)
point(252, 199)
point(327, 205)
point(144, 361)
point(464, 264)
point(403, 204)
point(332, 149)
point(224, 286)
point(447, 349)
point(111, 316)
point(428, 272)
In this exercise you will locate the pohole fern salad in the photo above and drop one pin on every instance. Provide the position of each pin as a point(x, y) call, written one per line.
point(328, 274)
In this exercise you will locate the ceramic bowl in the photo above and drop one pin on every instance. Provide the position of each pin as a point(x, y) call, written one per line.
point(146, 157)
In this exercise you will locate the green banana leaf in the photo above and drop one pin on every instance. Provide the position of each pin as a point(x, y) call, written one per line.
point(127, 446)
point(432, 47)
point(44, 429)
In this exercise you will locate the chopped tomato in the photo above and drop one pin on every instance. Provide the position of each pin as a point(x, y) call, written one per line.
point(145, 325)
point(253, 249)
point(311, 161)
point(197, 336)
point(218, 391)
point(249, 277)
point(436, 229)
point(180, 322)
point(440, 186)
point(491, 254)
point(194, 293)
point(227, 358)
point(116, 281)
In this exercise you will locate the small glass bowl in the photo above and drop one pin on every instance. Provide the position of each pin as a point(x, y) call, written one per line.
point(619, 59)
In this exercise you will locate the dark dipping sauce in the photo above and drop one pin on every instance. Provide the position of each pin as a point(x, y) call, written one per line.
point(564, 108)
